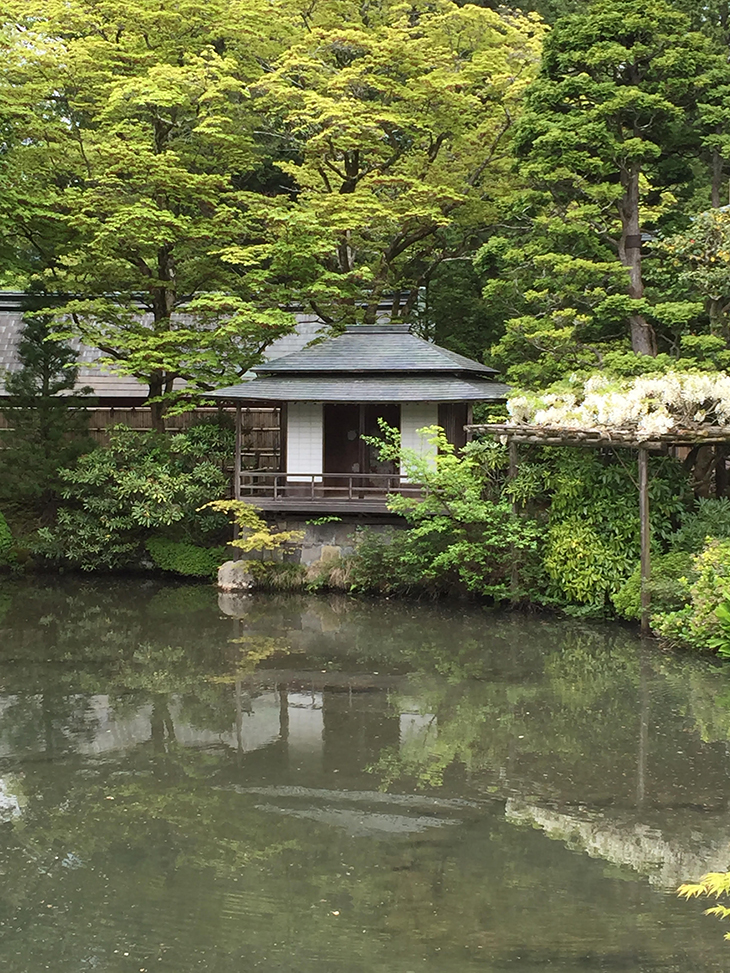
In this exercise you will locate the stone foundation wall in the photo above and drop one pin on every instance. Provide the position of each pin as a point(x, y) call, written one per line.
point(325, 542)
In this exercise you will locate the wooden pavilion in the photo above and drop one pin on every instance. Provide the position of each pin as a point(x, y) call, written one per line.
point(331, 396)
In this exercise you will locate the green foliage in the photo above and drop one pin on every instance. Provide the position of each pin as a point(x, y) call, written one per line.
point(244, 160)
point(182, 557)
point(6, 542)
point(156, 142)
point(140, 483)
point(462, 535)
point(398, 126)
point(667, 586)
point(455, 313)
point(606, 141)
point(709, 518)
point(393, 564)
point(583, 564)
point(699, 260)
point(704, 622)
point(592, 539)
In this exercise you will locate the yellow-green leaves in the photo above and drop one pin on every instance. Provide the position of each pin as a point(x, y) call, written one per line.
point(399, 128)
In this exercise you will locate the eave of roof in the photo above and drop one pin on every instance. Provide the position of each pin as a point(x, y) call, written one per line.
point(394, 388)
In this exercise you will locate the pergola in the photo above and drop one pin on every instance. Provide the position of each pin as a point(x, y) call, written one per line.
point(540, 435)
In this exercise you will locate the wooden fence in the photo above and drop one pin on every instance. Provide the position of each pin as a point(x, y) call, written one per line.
point(261, 434)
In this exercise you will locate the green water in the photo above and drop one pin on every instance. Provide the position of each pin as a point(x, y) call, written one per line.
point(324, 786)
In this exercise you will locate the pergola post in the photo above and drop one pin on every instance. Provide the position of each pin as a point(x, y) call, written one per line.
point(645, 539)
point(514, 573)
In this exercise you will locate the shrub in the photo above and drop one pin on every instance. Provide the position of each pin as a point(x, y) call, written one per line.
point(710, 518)
point(593, 540)
point(389, 564)
point(583, 565)
point(6, 542)
point(462, 534)
point(140, 484)
point(439, 554)
point(704, 622)
point(182, 557)
point(667, 587)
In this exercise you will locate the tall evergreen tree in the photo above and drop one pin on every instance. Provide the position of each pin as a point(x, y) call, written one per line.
point(47, 416)
point(612, 123)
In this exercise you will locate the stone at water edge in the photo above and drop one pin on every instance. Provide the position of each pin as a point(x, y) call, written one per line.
point(235, 576)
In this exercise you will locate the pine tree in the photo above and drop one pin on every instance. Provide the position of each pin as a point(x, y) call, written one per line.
point(47, 416)
point(611, 127)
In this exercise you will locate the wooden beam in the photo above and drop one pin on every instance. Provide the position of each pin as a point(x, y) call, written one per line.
point(645, 539)
point(561, 436)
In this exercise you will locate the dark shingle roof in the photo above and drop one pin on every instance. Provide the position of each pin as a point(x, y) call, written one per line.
point(378, 388)
point(389, 349)
point(105, 383)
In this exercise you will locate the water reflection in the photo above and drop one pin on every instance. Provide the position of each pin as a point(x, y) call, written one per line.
point(300, 784)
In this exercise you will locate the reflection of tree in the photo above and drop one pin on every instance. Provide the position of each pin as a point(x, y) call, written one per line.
point(48, 722)
point(580, 697)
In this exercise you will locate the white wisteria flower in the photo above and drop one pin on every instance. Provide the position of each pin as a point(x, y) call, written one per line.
point(648, 405)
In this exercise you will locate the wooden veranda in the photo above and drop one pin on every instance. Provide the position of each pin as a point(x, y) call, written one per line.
point(537, 435)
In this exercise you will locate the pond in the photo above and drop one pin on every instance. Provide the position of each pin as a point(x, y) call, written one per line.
point(323, 785)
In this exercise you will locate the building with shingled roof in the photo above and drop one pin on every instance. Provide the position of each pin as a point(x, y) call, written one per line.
point(331, 396)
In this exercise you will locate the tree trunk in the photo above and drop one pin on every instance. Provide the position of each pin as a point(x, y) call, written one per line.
point(717, 174)
point(643, 339)
point(156, 388)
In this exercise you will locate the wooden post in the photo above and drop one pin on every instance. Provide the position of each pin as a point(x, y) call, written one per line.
point(239, 449)
point(514, 574)
point(513, 461)
point(720, 470)
point(237, 463)
point(645, 539)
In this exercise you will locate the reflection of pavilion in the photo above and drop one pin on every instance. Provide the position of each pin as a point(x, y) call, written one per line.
point(318, 720)
point(290, 731)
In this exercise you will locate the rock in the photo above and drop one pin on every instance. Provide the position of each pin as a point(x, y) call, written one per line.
point(235, 576)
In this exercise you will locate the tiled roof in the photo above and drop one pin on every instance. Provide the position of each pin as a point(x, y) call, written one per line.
point(378, 388)
point(104, 383)
point(403, 368)
point(389, 349)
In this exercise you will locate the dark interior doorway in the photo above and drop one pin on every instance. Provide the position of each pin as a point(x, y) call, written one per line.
point(345, 451)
